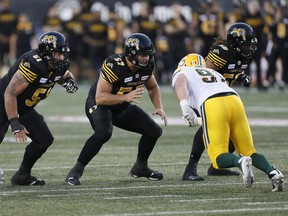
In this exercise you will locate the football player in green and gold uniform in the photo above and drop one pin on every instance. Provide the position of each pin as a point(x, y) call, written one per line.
point(205, 90)
point(230, 57)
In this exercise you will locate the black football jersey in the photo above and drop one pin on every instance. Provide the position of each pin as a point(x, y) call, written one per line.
point(41, 80)
point(226, 60)
point(115, 71)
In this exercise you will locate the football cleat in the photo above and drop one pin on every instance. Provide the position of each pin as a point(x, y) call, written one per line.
point(190, 173)
point(277, 180)
point(221, 172)
point(246, 166)
point(18, 179)
point(145, 171)
point(73, 177)
point(73, 180)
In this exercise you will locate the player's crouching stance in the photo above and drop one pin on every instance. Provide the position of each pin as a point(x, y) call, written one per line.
point(29, 81)
point(223, 118)
point(109, 103)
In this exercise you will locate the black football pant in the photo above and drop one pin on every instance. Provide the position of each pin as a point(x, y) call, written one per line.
point(38, 132)
point(4, 123)
point(198, 146)
point(127, 117)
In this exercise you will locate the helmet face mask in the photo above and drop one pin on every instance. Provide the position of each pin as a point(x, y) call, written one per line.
point(51, 42)
point(137, 49)
point(248, 48)
point(241, 37)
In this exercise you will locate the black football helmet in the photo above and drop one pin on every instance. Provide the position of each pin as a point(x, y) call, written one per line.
point(242, 39)
point(54, 41)
point(139, 43)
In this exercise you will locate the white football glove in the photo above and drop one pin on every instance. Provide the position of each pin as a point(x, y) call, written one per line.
point(189, 115)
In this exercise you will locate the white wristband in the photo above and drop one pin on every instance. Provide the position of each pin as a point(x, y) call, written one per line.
point(184, 102)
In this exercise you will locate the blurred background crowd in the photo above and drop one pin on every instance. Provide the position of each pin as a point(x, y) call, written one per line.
point(97, 29)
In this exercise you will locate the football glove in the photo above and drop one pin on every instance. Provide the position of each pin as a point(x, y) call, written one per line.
point(245, 79)
point(70, 85)
point(189, 115)
point(16, 126)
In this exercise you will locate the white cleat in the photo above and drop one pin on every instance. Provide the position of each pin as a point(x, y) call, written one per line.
point(277, 180)
point(246, 165)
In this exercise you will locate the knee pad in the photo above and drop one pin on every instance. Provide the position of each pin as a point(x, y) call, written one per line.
point(44, 143)
point(39, 147)
point(102, 136)
point(155, 132)
point(48, 141)
point(158, 132)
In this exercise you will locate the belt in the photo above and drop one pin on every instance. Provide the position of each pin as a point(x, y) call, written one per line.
point(222, 94)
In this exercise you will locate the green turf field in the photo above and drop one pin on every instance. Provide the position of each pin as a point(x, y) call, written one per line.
point(107, 188)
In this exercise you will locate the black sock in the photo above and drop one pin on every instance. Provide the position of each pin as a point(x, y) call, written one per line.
point(24, 171)
point(78, 168)
point(192, 161)
point(141, 162)
point(197, 147)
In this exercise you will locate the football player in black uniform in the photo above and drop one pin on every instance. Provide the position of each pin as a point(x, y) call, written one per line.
point(230, 57)
point(109, 103)
point(29, 81)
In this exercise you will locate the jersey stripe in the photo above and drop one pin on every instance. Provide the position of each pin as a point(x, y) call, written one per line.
point(109, 73)
point(28, 74)
point(103, 78)
point(219, 62)
point(204, 126)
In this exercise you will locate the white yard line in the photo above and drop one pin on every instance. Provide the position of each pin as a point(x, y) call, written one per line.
point(76, 189)
point(182, 198)
point(204, 212)
point(174, 120)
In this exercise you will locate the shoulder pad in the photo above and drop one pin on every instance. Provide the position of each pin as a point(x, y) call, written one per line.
point(111, 67)
point(224, 47)
point(32, 66)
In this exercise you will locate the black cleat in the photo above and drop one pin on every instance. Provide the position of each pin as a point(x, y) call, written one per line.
point(73, 177)
point(190, 173)
point(192, 178)
point(73, 180)
point(26, 180)
point(221, 172)
point(145, 171)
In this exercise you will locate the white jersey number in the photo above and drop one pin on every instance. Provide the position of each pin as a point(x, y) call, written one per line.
point(208, 76)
